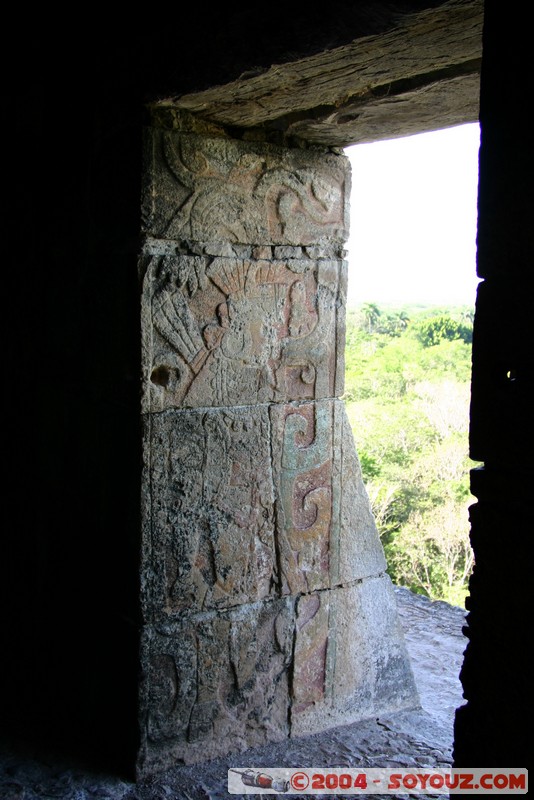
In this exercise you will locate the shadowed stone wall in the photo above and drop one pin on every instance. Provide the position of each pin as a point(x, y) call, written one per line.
point(489, 728)
point(267, 611)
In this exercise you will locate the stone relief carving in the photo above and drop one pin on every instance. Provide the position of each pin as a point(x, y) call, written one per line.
point(203, 678)
point(210, 537)
point(302, 468)
point(215, 189)
point(325, 530)
point(228, 331)
point(217, 681)
point(311, 646)
point(350, 659)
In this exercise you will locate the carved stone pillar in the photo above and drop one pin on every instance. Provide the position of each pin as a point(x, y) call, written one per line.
point(267, 611)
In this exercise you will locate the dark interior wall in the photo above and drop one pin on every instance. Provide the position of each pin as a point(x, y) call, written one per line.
point(72, 429)
point(73, 116)
point(495, 675)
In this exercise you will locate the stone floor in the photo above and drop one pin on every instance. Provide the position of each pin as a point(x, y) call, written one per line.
point(419, 738)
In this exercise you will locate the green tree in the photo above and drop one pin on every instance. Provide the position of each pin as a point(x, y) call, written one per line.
point(442, 328)
point(431, 553)
point(371, 314)
point(393, 323)
point(408, 404)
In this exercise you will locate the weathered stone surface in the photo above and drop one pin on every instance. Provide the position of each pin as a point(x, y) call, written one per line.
point(222, 681)
point(302, 467)
point(421, 74)
point(350, 657)
point(422, 106)
point(208, 511)
point(311, 643)
point(211, 536)
point(227, 331)
point(217, 189)
point(215, 683)
point(325, 530)
point(359, 551)
point(405, 739)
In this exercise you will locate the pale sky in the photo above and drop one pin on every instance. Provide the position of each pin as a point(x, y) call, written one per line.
point(413, 219)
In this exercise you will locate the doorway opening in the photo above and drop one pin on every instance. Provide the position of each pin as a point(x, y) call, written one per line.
point(410, 308)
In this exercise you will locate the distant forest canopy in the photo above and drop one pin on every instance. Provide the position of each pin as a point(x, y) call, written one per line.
point(407, 393)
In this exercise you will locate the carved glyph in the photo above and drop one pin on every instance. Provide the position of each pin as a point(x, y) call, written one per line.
point(325, 529)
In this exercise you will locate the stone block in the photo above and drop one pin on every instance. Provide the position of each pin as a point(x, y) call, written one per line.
point(227, 331)
point(350, 658)
point(214, 683)
point(326, 534)
point(215, 189)
point(208, 511)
